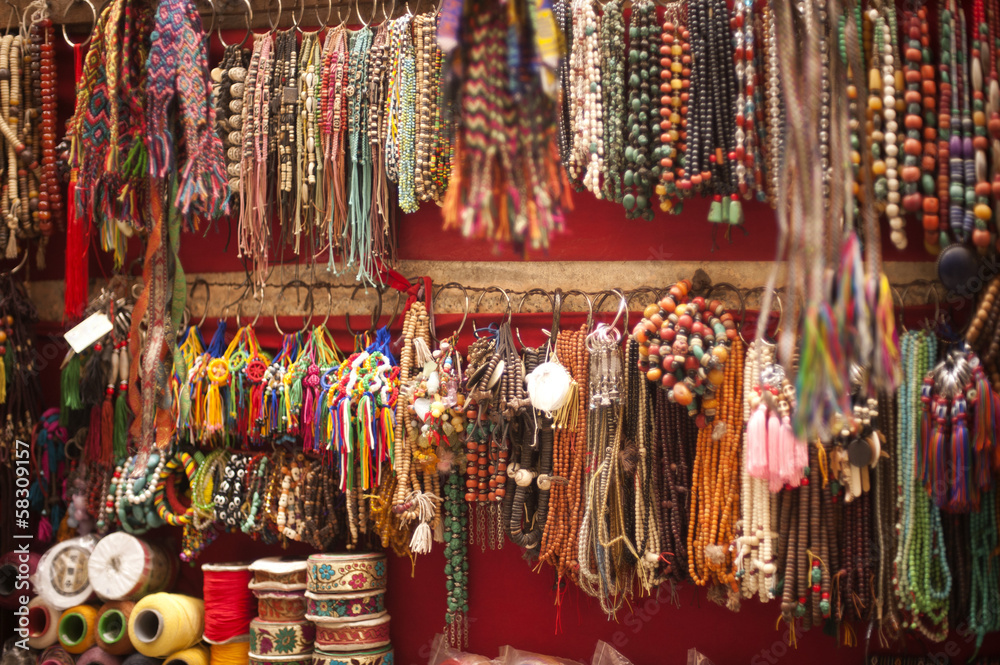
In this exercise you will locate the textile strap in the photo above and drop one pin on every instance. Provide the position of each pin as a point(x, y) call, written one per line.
point(154, 426)
point(177, 68)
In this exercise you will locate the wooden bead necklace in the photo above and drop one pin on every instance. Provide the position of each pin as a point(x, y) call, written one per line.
point(642, 162)
point(675, 90)
point(612, 35)
point(586, 115)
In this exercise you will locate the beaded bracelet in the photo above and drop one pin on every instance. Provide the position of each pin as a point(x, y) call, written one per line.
point(174, 514)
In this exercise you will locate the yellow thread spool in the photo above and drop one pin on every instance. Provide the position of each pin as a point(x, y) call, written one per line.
point(162, 624)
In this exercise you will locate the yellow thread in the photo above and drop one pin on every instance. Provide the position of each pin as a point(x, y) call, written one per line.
point(232, 653)
point(821, 462)
point(197, 655)
point(162, 624)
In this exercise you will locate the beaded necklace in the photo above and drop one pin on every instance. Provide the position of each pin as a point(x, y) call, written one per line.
point(774, 106)
point(675, 94)
point(981, 43)
point(586, 115)
point(643, 109)
point(563, 15)
point(712, 127)
point(612, 69)
point(43, 85)
point(308, 146)
point(358, 230)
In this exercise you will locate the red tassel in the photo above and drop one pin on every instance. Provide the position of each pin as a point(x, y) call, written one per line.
point(984, 417)
point(107, 457)
point(77, 237)
point(937, 483)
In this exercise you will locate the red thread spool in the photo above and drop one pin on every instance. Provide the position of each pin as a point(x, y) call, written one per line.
point(229, 603)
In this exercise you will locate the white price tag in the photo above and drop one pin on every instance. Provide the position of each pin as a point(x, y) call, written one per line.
point(88, 331)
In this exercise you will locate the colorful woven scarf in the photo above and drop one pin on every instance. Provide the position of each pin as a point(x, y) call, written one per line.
point(177, 68)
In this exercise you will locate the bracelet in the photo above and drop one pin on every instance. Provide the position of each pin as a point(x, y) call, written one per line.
point(202, 488)
point(173, 514)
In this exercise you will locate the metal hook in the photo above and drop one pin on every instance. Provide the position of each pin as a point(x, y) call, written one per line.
point(274, 24)
point(19, 267)
point(208, 31)
point(395, 308)
point(90, 35)
point(622, 307)
point(900, 320)
point(387, 17)
point(590, 306)
point(208, 296)
point(305, 319)
point(239, 309)
point(297, 19)
point(489, 289)
point(247, 18)
point(364, 23)
point(329, 12)
point(376, 313)
point(781, 313)
point(329, 303)
point(739, 294)
point(465, 315)
point(520, 305)
point(14, 11)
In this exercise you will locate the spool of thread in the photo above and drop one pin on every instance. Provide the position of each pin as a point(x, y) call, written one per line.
point(55, 655)
point(229, 602)
point(123, 567)
point(197, 655)
point(98, 656)
point(141, 659)
point(76, 628)
point(112, 627)
point(43, 624)
point(235, 652)
point(162, 624)
point(12, 566)
point(62, 578)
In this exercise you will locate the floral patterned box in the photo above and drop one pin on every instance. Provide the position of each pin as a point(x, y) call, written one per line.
point(346, 573)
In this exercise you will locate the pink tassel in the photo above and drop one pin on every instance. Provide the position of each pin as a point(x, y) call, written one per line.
point(775, 480)
point(962, 495)
point(801, 450)
point(757, 443)
point(790, 473)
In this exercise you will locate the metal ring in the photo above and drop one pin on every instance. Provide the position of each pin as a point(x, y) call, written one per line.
point(246, 17)
point(622, 306)
point(590, 306)
point(364, 23)
point(239, 309)
point(343, 21)
point(376, 313)
point(208, 297)
point(781, 313)
point(297, 19)
point(274, 25)
point(465, 315)
point(894, 293)
point(395, 308)
point(90, 35)
point(739, 294)
point(208, 31)
point(329, 12)
point(489, 289)
point(329, 302)
point(520, 305)
point(305, 319)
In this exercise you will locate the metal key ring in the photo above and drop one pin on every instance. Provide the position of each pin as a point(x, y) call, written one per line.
point(305, 319)
point(239, 309)
point(900, 316)
point(465, 314)
point(520, 306)
point(90, 35)
point(248, 17)
point(622, 307)
point(376, 313)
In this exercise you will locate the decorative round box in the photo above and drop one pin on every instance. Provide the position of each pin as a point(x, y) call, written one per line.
point(323, 606)
point(281, 638)
point(346, 573)
point(278, 574)
point(371, 657)
point(336, 635)
point(280, 605)
point(301, 659)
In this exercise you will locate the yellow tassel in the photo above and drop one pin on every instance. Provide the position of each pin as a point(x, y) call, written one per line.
point(213, 409)
point(850, 639)
point(821, 460)
point(3, 381)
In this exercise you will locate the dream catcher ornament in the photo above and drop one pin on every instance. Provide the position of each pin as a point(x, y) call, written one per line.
point(684, 344)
